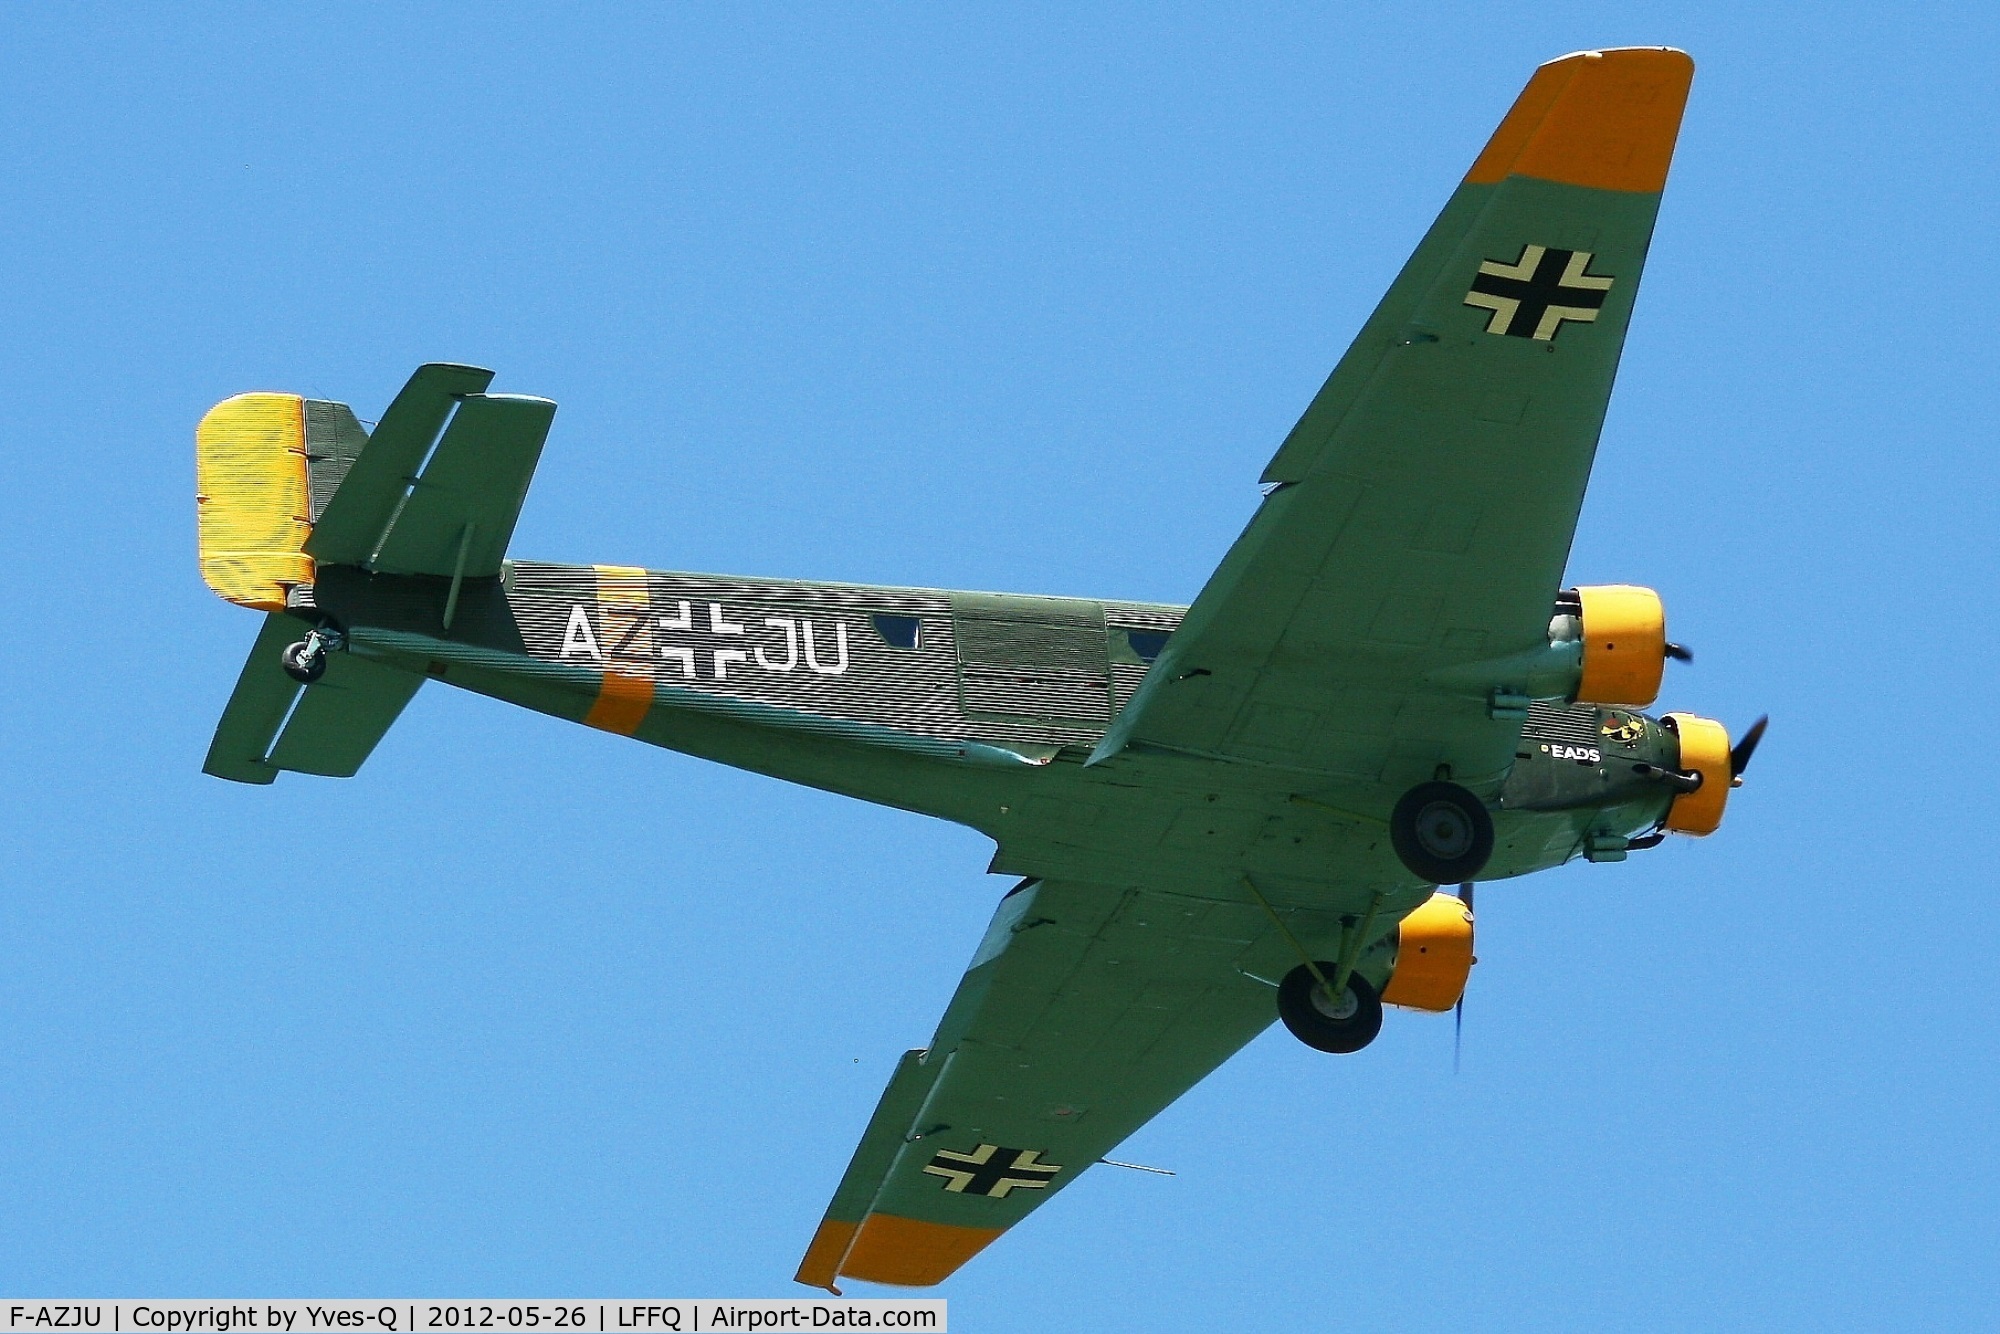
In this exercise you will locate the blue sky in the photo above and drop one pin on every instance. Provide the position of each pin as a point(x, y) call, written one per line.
point(1014, 298)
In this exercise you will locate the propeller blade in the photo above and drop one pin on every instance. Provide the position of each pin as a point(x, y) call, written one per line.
point(1680, 652)
point(1740, 753)
point(1458, 1010)
point(1457, 1029)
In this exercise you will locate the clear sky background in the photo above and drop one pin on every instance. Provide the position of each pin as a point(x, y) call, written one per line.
point(1016, 298)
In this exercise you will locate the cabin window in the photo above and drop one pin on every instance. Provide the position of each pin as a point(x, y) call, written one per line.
point(1147, 643)
point(898, 631)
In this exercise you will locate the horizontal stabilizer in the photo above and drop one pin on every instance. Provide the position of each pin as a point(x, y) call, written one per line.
point(332, 731)
point(286, 485)
point(257, 709)
point(342, 717)
point(461, 514)
point(351, 526)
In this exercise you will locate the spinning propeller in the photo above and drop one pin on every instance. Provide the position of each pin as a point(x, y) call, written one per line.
point(1740, 753)
point(1458, 1010)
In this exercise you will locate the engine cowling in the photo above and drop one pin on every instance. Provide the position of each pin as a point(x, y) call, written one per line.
point(1433, 955)
point(1624, 631)
point(1704, 750)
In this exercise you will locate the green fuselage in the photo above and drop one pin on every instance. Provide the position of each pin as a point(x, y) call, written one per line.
point(977, 708)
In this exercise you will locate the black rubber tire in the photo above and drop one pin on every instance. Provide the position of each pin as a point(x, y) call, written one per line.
point(1312, 1025)
point(1442, 832)
point(299, 667)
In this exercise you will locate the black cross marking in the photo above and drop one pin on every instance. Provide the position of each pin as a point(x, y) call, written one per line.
point(991, 1170)
point(1531, 297)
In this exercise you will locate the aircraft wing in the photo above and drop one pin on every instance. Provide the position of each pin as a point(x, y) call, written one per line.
point(1407, 560)
point(1085, 1011)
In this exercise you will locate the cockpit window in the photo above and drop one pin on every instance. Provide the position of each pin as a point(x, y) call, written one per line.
point(898, 631)
point(1146, 643)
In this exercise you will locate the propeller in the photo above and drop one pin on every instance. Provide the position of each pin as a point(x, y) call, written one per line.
point(1458, 1010)
point(1680, 652)
point(1740, 753)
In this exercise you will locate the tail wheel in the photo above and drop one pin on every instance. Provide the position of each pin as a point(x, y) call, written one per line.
point(1442, 832)
point(1323, 1023)
point(305, 661)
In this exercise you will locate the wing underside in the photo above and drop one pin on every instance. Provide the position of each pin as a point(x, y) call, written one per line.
point(1085, 1011)
point(1403, 569)
point(1406, 564)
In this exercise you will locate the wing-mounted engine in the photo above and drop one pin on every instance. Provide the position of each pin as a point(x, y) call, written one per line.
point(1623, 632)
point(1433, 956)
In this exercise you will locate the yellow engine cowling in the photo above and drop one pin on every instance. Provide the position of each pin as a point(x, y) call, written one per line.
point(1624, 645)
point(1433, 956)
point(1704, 750)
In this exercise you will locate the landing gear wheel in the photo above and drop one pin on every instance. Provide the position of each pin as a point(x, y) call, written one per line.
point(305, 661)
point(1442, 832)
point(1323, 1024)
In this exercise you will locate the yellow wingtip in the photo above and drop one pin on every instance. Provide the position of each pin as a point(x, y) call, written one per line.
point(821, 1265)
point(1605, 120)
point(911, 1253)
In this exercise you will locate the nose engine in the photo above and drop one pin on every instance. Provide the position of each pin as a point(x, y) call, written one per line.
point(1704, 756)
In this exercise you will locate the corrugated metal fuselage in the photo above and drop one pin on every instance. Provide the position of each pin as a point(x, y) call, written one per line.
point(973, 707)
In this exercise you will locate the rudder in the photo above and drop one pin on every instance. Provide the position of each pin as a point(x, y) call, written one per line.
point(265, 466)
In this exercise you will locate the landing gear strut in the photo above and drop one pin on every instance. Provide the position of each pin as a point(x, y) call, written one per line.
point(1328, 1006)
point(1322, 1022)
point(305, 661)
point(1442, 832)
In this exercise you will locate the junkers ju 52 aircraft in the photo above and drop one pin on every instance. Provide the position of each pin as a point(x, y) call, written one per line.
point(1220, 814)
